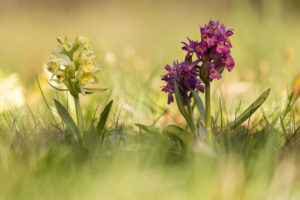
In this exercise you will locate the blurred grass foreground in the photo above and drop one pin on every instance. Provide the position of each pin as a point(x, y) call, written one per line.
point(133, 41)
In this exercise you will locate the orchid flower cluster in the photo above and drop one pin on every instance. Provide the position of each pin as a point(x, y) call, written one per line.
point(73, 64)
point(204, 61)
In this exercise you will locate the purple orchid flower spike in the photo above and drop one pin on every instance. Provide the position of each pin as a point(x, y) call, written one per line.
point(213, 51)
point(204, 62)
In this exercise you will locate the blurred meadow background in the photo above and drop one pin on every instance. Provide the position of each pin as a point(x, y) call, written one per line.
point(133, 41)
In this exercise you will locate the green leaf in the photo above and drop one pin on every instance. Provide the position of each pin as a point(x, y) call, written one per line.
point(96, 89)
point(179, 138)
point(173, 128)
point(157, 140)
point(177, 132)
point(59, 89)
point(182, 109)
point(103, 118)
point(149, 129)
point(65, 116)
point(155, 133)
point(201, 132)
point(199, 104)
point(249, 111)
point(93, 90)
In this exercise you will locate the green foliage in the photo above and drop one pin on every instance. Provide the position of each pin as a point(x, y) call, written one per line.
point(249, 111)
point(148, 129)
point(65, 116)
point(199, 104)
point(182, 109)
point(93, 90)
point(48, 161)
point(103, 119)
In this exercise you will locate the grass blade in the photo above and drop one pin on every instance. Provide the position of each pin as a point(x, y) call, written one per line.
point(249, 111)
point(38, 82)
point(283, 128)
point(32, 115)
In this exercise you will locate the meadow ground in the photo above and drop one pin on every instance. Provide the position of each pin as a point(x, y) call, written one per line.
point(133, 41)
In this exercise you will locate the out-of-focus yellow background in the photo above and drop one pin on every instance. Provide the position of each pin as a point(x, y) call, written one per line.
point(134, 39)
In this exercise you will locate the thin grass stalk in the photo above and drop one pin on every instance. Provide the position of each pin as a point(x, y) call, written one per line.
point(38, 82)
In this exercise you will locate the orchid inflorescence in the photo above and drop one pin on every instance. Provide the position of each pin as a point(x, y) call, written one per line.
point(204, 61)
point(73, 64)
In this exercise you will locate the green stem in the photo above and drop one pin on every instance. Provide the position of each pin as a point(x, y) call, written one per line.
point(79, 116)
point(190, 112)
point(208, 114)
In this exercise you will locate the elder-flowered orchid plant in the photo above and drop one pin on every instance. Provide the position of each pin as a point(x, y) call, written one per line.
point(204, 62)
point(72, 65)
